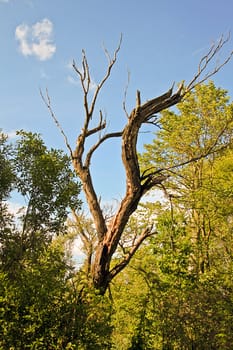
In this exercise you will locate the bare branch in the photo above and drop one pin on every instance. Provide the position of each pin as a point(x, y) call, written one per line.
point(110, 65)
point(47, 102)
point(85, 81)
point(119, 267)
point(204, 62)
point(101, 140)
point(101, 126)
point(156, 105)
point(79, 224)
point(84, 74)
point(155, 178)
point(125, 95)
point(109, 233)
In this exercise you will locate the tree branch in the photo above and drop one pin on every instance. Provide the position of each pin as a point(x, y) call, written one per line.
point(204, 62)
point(110, 65)
point(125, 95)
point(47, 102)
point(94, 147)
point(119, 267)
point(86, 79)
point(109, 233)
point(152, 179)
point(101, 126)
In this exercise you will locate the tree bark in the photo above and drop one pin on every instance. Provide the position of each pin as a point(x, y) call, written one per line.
point(137, 184)
point(135, 189)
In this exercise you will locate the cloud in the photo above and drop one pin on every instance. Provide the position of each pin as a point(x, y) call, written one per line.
point(5, 1)
point(36, 40)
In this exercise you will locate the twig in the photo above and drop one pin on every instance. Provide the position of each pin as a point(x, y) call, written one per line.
point(47, 102)
point(125, 94)
point(204, 62)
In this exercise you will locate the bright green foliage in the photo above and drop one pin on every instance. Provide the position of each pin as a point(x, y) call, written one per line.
point(48, 186)
point(192, 143)
point(177, 291)
point(44, 302)
point(160, 303)
point(45, 179)
point(6, 171)
point(47, 307)
point(203, 124)
point(189, 267)
point(6, 183)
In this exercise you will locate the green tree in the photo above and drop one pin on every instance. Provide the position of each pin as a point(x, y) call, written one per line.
point(6, 171)
point(159, 302)
point(48, 187)
point(49, 306)
point(200, 131)
point(7, 178)
point(45, 180)
point(197, 301)
point(44, 302)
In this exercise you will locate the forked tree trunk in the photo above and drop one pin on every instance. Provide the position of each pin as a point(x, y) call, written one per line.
point(137, 183)
point(136, 187)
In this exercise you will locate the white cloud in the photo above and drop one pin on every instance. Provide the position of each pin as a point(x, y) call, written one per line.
point(5, 1)
point(36, 40)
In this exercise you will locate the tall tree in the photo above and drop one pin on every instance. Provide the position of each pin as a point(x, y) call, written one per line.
point(138, 182)
point(202, 128)
point(48, 187)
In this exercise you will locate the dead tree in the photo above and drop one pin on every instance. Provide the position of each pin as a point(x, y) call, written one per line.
point(137, 183)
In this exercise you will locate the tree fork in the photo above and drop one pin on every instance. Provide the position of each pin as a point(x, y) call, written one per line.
point(137, 184)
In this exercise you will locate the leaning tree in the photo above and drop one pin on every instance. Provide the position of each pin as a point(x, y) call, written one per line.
point(138, 183)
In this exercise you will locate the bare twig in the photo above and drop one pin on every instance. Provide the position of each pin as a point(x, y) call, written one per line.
point(204, 62)
point(147, 232)
point(47, 102)
point(109, 234)
point(125, 94)
point(108, 72)
point(100, 141)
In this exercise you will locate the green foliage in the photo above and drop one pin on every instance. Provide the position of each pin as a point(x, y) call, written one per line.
point(202, 125)
point(160, 303)
point(46, 307)
point(177, 292)
point(189, 274)
point(45, 178)
point(44, 302)
point(6, 171)
point(48, 186)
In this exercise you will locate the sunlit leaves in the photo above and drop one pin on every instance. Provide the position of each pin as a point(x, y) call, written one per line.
point(46, 181)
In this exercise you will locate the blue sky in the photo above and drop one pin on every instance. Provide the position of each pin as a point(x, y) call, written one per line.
point(163, 41)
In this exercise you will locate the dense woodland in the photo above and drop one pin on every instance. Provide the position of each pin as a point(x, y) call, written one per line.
point(156, 274)
point(175, 293)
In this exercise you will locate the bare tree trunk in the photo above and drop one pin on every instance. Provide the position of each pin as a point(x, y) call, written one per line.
point(137, 184)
